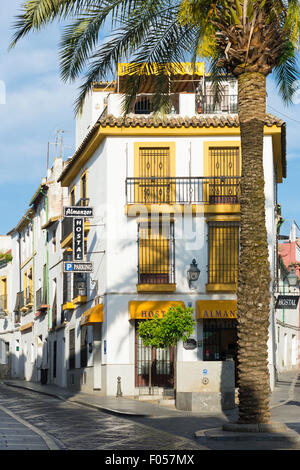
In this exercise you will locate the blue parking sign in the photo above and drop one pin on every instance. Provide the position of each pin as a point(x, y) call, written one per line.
point(69, 266)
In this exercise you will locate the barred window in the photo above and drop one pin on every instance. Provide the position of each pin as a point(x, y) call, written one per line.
point(156, 253)
point(223, 241)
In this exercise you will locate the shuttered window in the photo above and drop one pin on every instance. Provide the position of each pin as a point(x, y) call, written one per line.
point(223, 243)
point(156, 253)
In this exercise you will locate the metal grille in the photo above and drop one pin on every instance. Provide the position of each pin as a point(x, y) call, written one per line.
point(161, 362)
point(224, 165)
point(156, 253)
point(223, 240)
point(219, 339)
point(154, 163)
point(226, 104)
point(143, 105)
point(183, 190)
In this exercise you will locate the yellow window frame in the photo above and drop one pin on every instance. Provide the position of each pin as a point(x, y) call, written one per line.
point(137, 170)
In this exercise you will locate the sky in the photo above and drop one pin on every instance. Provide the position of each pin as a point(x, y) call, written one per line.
point(37, 104)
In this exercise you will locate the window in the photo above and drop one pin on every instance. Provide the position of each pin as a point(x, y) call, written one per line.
point(142, 105)
point(223, 250)
point(156, 253)
point(154, 165)
point(72, 349)
point(72, 197)
point(83, 189)
point(224, 168)
point(3, 293)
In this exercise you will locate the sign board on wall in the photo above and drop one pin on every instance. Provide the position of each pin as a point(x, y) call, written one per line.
point(289, 302)
point(78, 239)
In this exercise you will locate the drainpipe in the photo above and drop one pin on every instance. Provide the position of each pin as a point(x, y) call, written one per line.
point(283, 294)
point(47, 258)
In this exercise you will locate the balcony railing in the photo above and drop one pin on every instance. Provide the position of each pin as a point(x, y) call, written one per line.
point(41, 297)
point(67, 222)
point(183, 190)
point(28, 296)
point(19, 302)
point(226, 104)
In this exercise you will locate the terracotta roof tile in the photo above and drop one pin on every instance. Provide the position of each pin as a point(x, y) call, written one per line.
point(132, 120)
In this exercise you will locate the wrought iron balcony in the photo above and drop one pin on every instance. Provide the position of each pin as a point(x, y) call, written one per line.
point(28, 296)
point(207, 104)
point(183, 190)
point(19, 302)
point(41, 298)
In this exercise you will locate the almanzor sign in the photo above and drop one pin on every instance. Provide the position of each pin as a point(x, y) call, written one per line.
point(216, 309)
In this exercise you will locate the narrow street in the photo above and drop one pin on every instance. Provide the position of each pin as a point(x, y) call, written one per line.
point(75, 427)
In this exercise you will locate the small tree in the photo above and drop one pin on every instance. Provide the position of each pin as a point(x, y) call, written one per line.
point(178, 324)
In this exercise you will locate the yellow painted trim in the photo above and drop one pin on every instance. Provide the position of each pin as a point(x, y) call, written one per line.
point(135, 210)
point(223, 218)
point(102, 132)
point(3, 285)
point(216, 309)
point(276, 145)
point(92, 315)
point(138, 310)
point(181, 68)
point(68, 306)
point(28, 259)
point(80, 299)
point(221, 287)
point(206, 172)
point(170, 145)
point(156, 287)
point(26, 327)
point(67, 241)
point(85, 173)
point(70, 196)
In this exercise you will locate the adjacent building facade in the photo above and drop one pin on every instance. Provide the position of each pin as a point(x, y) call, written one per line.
point(165, 198)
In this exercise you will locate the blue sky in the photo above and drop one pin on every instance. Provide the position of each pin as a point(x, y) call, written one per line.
point(38, 103)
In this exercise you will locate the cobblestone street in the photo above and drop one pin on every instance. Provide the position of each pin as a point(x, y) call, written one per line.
point(75, 427)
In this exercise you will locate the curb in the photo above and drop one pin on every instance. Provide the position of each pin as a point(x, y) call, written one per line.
point(79, 402)
point(47, 439)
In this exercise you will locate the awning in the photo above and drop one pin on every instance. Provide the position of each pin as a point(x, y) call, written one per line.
point(26, 327)
point(216, 309)
point(92, 315)
point(139, 310)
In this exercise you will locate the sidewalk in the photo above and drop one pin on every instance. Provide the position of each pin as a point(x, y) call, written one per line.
point(283, 392)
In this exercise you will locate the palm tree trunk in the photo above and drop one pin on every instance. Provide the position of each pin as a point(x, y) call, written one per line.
point(254, 271)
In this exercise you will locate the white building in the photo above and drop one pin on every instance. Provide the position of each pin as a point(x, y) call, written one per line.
point(165, 192)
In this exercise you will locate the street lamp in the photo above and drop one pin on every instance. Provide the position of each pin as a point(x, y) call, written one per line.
point(193, 273)
point(81, 286)
point(292, 278)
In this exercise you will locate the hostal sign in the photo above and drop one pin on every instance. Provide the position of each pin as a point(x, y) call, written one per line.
point(287, 301)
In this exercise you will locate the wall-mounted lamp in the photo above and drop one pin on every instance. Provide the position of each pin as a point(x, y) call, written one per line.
point(193, 273)
point(292, 278)
point(81, 286)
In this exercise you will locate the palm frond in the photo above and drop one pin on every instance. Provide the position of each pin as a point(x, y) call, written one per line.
point(286, 74)
point(38, 13)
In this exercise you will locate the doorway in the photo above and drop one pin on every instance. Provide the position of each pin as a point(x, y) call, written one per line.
point(220, 340)
point(161, 362)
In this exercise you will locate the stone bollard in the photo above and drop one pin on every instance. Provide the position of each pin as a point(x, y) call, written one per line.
point(119, 391)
